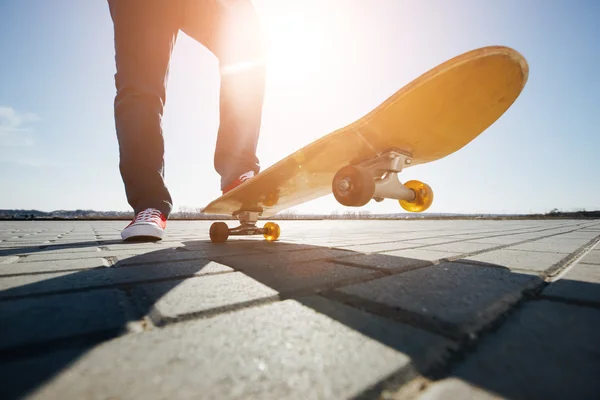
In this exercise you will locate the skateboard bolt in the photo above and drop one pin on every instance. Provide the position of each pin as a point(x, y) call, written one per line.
point(344, 184)
point(408, 161)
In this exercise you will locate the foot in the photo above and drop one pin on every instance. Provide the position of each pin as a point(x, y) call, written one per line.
point(147, 224)
point(243, 178)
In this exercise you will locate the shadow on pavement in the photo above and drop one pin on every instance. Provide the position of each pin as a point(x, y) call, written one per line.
point(47, 324)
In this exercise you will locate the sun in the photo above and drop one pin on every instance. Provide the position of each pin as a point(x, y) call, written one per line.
point(296, 39)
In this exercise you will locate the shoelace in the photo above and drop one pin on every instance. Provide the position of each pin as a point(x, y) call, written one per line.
point(246, 176)
point(148, 215)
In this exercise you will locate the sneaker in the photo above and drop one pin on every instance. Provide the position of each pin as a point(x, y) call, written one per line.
point(150, 223)
point(243, 178)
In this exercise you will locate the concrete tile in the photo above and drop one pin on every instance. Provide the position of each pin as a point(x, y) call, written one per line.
point(593, 257)
point(311, 276)
point(281, 350)
point(172, 300)
point(451, 297)
point(422, 254)
point(551, 245)
point(384, 261)
point(34, 320)
point(461, 247)
point(24, 267)
point(305, 254)
point(581, 283)
point(546, 350)
point(521, 260)
point(25, 285)
point(374, 247)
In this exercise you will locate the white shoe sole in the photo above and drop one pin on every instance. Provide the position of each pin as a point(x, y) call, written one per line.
point(142, 229)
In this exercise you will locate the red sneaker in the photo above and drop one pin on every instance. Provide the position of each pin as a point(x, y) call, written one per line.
point(150, 223)
point(243, 178)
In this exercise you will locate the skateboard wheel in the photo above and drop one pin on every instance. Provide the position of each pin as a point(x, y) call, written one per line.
point(423, 197)
point(272, 231)
point(353, 186)
point(219, 232)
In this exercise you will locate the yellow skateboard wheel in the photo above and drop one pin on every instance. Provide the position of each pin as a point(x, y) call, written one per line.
point(423, 197)
point(272, 231)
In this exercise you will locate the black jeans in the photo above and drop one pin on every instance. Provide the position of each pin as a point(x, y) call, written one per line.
point(145, 32)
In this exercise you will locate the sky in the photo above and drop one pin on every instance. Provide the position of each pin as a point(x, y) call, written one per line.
point(329, 63)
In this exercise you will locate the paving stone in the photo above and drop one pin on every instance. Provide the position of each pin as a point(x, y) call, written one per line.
point(172, 300)
point(593, 257)
point(124, 257)
point(8, 260)
point(280, 350)
point(580, 283)
point(16, 286)
point(430, 241)
point(312, 276)
point(583, 235)
point(551, 246)
point(369, 248)
point(385, 261)
point(307, 254)
point(461, 247)
point(33, 320)
point(61, 256)
point(24, 267)
point(61, 250)
point(453, 388)
point(521, 260)
point(499, 240)
point(546, 350)
point(422, 254)
point(451, 297)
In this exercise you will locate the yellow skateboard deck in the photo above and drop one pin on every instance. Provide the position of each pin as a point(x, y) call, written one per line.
point(433, 116)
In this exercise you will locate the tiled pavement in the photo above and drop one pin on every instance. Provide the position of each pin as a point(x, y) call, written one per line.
point(334, 310)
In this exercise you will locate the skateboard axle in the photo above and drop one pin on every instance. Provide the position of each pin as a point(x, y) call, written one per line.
point(219, 231)
point(247, 229)
point(390, 187)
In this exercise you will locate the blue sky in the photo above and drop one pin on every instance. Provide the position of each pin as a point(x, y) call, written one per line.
point(330, 62)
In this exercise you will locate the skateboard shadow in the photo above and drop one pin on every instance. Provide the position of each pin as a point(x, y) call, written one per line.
point(50, 321)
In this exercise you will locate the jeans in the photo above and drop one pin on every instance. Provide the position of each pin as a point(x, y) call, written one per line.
point(145, 32)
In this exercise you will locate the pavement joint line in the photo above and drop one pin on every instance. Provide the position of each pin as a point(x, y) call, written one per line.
point(503, 233)
point(137, 321)
point(303, 292)
point(465, 240)
point(507, 246)
point(470, 342)
point(160, 321)
point(397, 314)
point(574, 257)
point(388, 271)
point(120, 285)
point(392, 383)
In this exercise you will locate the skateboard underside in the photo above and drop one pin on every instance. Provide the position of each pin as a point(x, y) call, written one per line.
point(433, 116)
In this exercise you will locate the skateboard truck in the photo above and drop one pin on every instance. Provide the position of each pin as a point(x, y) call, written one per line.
point(377, 178)
point(219, 231)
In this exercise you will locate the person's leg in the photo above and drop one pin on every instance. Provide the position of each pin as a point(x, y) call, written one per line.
point(231, 30)
point(144, 33)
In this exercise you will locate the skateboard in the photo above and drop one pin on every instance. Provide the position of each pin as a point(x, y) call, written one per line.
point(433, 116)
